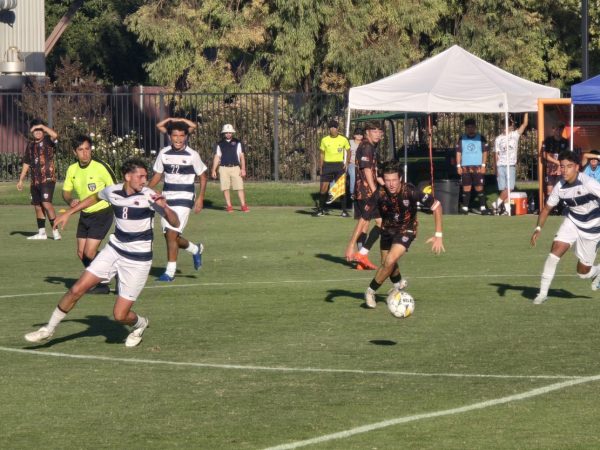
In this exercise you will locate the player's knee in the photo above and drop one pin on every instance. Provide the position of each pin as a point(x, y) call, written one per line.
point(584, 272)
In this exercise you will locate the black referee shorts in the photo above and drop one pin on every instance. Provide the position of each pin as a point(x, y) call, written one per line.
point(331, 171)
point(95, 225)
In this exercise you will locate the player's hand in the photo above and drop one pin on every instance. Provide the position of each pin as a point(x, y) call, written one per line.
point(19, 185)
point(459, 170)
point(350, 252)
point(61, 221)
point(213, 174)
point(198, 205)
point(159, 200)
point(243, 173)
point(534, 236)
point(74, 203)
point(437, 246)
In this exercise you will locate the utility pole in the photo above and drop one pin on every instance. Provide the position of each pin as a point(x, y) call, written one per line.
point(584, 40)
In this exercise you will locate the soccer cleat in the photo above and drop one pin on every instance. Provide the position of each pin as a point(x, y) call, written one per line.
point(320, 213)
point(359, 266)
point(135, 337)
point(197, 257)
point(38, 237)
point(99, 289)
point(403, 285)
point(165, 277)
point(370, 299)
point(596, 283)
point(245, 208)
point(539, 299)
point(229, 209)
point(464, 210)
point(56, 235)
point(486, 212)
point(344, 214)
point(40, 335)
point(364, 261)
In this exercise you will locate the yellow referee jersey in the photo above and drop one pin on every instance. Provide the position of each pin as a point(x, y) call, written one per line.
point(85, 181)
point(334, 148)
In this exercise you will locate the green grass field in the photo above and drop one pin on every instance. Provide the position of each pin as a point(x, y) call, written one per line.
point(269, 344)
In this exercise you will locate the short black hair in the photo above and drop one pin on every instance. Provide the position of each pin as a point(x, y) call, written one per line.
point(358, 131)
point(179, 126)
point(333, 124)
point(470, 121)
point(36, 121)
point(131, 164)
point(80, 139)
point(373, 126)
point(391, 166)
point(568, 155)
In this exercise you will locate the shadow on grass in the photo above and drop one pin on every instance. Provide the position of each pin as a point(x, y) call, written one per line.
point(114, 332)
point(334, 259)
point(333, 294)
point(25, 233)
point(529, 292)
point(156, 272)
point(382, 342)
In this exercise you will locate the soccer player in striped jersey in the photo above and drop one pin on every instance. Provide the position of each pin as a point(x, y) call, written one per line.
point(179, 164)
point(128, 253)
point(580, 196)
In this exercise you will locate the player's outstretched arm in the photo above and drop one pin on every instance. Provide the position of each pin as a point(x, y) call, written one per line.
point(64, 218)
point(544, 213)
point(170, 215)
point(437, 244)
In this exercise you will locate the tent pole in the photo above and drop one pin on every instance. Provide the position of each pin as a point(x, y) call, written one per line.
point(507, 160)
point(405, 136)
point(572, 133)
point(430, 153)
point(348, 122)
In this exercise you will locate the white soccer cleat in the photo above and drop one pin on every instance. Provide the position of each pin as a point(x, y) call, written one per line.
point(40, 335)
point(38, 237)
point(539, 299)
point(596, 283)
point(135, 337)
point(56, 235)
point(403, 285)
point(370, 299)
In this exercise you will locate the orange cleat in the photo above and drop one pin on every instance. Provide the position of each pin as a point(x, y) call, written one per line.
point(363, 260)
point(359, 266)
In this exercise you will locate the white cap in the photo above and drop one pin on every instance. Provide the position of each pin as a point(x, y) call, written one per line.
point(227, 128)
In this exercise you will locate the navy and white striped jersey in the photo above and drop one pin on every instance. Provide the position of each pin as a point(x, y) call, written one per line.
point(180, 168)
point(134, 222)
point(582, 199)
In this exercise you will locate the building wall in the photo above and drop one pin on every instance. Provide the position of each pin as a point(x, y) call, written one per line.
point(24, 28)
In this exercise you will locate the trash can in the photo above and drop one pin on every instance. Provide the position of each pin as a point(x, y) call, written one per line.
point(447, 192)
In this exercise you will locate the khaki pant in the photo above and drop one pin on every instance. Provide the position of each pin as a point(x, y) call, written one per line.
point(230, 178)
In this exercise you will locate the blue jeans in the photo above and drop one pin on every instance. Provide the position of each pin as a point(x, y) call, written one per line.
point(351, 171)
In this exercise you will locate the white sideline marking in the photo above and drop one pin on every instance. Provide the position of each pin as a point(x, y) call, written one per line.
point(244, 283)
point(284, 369)
point(446, 412)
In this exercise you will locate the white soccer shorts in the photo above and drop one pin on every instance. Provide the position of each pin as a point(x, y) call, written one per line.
point(183, 213)
point(132, 274)
point(585, 244)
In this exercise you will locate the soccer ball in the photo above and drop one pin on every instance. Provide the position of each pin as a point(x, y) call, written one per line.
point(401, 304)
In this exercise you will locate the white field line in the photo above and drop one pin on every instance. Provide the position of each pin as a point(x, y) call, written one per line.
point(280, 368)
point(283, 282)
point(434, 414)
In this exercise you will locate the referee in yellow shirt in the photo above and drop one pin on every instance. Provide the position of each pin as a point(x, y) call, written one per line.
point(335, 150)
point(84, 178)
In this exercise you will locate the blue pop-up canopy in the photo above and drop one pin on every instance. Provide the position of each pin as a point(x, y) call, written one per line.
point(586, 92)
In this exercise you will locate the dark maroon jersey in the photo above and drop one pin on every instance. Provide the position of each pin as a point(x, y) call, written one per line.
point(366, 158)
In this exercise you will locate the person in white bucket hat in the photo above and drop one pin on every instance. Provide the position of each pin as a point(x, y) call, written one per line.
point(230, 162)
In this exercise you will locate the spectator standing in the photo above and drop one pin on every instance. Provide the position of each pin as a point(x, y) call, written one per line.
point(590, 161)
point(357, 138)
point(230, 162)
point(332, 163)
point(506, 150)
point(39, 158)
point(471, 155)
point(552, 146)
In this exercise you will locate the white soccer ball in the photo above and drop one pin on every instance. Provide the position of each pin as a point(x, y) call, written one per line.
point(401, 304)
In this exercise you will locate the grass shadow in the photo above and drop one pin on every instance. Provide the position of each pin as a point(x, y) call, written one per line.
point(66, 282)
point(334, 259)
point(332, 294)
point(530, 292)
point(114, 332)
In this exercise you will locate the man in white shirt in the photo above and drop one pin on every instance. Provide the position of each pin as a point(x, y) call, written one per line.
point(505, 161)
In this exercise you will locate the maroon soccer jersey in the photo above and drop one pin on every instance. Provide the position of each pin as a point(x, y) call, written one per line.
point(40, 157)
point(366, 158)
point(398, 211)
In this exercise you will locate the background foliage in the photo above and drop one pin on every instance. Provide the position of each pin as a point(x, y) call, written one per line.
point(316, 45)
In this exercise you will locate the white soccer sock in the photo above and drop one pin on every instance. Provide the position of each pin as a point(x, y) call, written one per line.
point(548, 273)
point(141, 321)
point(192, 248)
point(363, 251)
point(171, 268)
point(55, 319)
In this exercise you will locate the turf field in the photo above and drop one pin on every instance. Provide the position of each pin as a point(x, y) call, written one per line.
point(269, 344)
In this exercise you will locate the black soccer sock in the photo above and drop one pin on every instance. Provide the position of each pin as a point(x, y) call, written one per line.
point(374, 285)
point(322, 200)
point(372, 238)
point(481, 198)
point(41, 223)
point(86, 261)
point(51, 222)
point(396, 278)
point(466, 198)
point(362, 237)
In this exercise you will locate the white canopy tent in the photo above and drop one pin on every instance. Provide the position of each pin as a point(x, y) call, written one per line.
point(452, 81)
